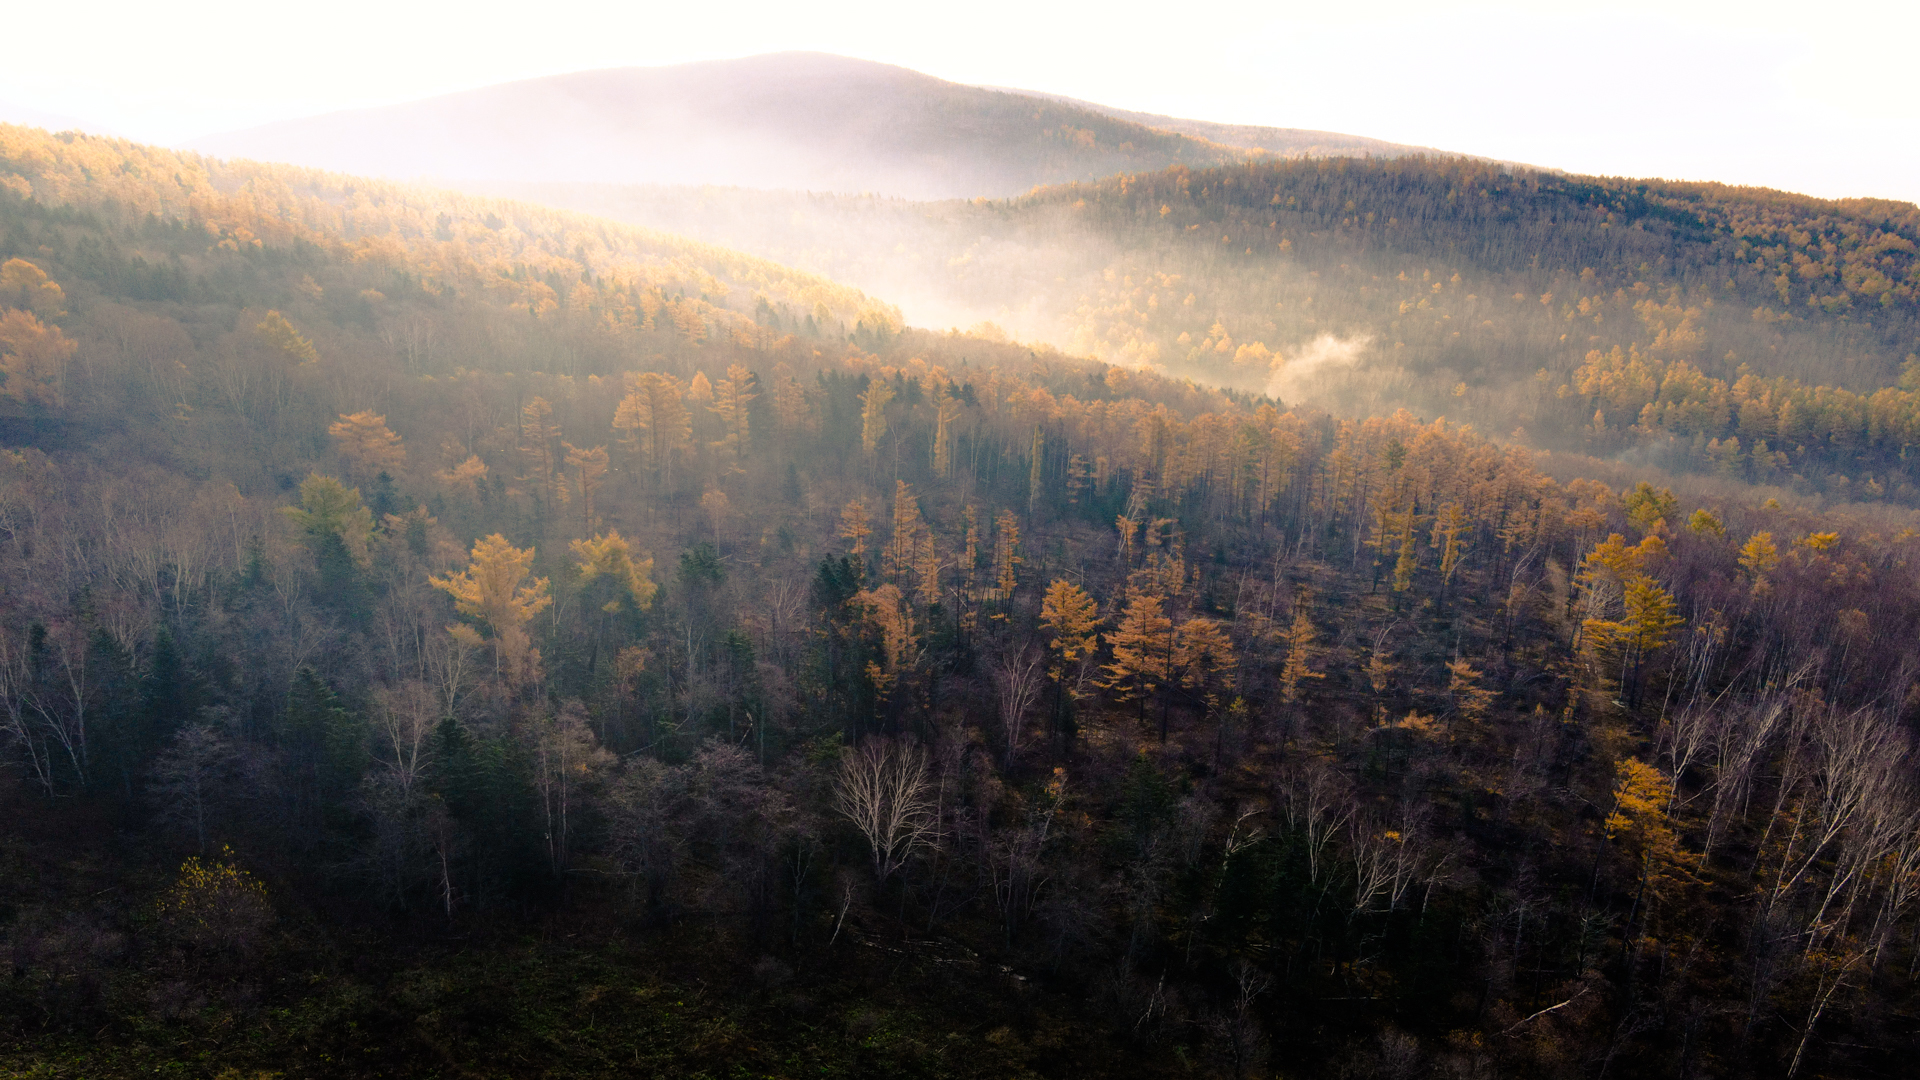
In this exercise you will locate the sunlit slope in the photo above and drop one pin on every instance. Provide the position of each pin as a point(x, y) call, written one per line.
point(170, 265)
point(1684, 315)
point(806, 121)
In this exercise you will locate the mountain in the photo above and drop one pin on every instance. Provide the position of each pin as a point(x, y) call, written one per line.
point(1748, 333)
point(443, 635)
point(791, 120)
point(1283, 142)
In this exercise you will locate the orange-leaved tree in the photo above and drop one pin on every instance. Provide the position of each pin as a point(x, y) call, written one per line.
point(368, 444)
point(491, 590)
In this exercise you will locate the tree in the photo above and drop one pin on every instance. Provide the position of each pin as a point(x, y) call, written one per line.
point(33, 357)
point(1646, 627)
point(1647, 508)
point(1142, 647)
point(882, 789)
point(567, 758)
point(280, 336)
point(855, 526)
point(368, 444)
point(1470, 699)
point(1300, 638)
point(404, 718)
point(28, 288)
point(886, 610)
point(1638, 821)
point(1069, 618)
point(652, 420)
point(873, 414)
point(537, 436)
point(1203, 653)
point(1017, 678)
point(589, 472)
point(946, 413)
point(192, 778)
point(628, 580)
point(1759, 555)
point(490, 590)
point(331, 515)
point(466, 477)
point(903, 546)
point(731, 401)
point(1006, 554)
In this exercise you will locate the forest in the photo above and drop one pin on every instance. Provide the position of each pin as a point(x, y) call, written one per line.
point(1703, 328)
point(445, 636)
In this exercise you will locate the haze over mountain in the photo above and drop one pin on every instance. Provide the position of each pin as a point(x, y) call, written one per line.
point(445, 635)
point(1285, 142)
point(790, 120)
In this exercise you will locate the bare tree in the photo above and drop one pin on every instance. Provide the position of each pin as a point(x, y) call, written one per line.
point(404, 717)
point(1387, 858)
point(1016, 859)
point(1018, 678)
point(18, 721)
point(882, 789)
point(191, 778)
point(1317, 804)
point(566, 756)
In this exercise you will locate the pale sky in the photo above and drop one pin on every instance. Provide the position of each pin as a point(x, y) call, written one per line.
point(1819, 98)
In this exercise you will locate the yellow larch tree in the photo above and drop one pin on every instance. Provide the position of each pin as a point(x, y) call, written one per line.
point(1006, 554)
point(280, 335)
point(1142, 647)
point(1470, 699)
point(1070, 617)
point(900, 555)
point(368, 444)
point(873, 414)
point(1301, 638)
point(790, 401)
point(1759, 555)
point(26, 287)
point(1204, 655)
point(611, 559)
point(1450, 524)
point(537, 435)
point(700, 390)
point(490, 589)
point(856, 524)
point(888, 613)
point(589, 469)
point(465, 477)
point(652, 421)
point(1638, 819)
point(33, 358)
point(732, 398)
point(946, 413)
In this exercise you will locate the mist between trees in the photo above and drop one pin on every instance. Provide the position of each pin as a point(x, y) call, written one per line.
point(905, 686)
point(1747, 333)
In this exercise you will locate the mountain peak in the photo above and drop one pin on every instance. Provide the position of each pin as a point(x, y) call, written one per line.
point(800, 120)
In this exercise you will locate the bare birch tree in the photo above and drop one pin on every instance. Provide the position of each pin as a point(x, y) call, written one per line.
point(882, 789)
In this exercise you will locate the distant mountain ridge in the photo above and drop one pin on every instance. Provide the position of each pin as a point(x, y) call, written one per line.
point(1285, 142)
point(805, 121)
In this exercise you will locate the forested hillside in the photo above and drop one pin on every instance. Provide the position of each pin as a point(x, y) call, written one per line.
point(442, 637)
point(1750, 333)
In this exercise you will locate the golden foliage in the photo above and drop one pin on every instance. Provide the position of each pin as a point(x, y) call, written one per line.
point(279, 335)
point(612, 558)
point(368, 443)
point(33, 357)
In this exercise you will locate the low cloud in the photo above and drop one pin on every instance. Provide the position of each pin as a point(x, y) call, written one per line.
point(1327, 354)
